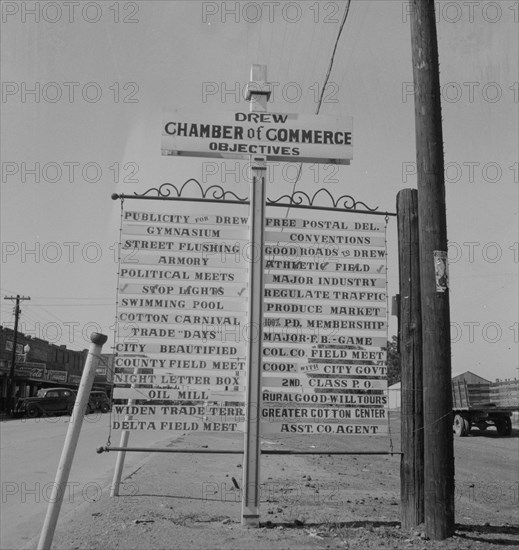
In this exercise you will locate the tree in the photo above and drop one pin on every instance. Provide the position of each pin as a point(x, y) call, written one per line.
point(393, 362)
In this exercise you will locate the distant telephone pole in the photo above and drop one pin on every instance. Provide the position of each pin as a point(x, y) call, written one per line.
point(432, 234)
point(10, 386)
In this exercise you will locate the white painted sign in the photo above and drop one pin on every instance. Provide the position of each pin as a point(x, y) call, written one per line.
point(327, 265)
point(299, 382)
point(277, 136)
point(320, 414)
point(318, 397)
point(202, 288)
point(311, 308)
point(168, 392)
point(127, 364)
point(182, 304)
point(330, 226)
point(325, 238)
point(171, 274)
point(185, 231)
point(309, 429)
point(233, 258)
point(371, 281)
point(141, 217)
point(202, 303)
point(324, 341)
point(325, 368)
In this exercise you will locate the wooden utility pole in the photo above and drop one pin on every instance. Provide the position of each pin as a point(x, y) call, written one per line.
point(410, 334)
point(10, 387)
point(438, 438)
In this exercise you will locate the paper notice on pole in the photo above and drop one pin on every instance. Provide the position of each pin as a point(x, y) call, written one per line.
point(441, 270)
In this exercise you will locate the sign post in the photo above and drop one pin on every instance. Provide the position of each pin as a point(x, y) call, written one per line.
point(258, 136)
point(71, 440)
point(251, 478)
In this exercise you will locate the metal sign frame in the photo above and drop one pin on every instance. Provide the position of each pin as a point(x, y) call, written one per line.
point(217, 194)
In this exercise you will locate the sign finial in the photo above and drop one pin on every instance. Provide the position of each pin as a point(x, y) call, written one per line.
point(258, 89)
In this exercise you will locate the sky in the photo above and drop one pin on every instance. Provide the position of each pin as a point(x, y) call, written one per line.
point(84, 87)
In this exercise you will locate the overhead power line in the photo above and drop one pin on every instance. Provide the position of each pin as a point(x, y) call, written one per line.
point(323, 87)
point(332, 59)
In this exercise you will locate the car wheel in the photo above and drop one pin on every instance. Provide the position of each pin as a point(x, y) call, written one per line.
point(33, 412)
point(105, 407)
point(461, 426)
point(70, 409)
point(504, 426)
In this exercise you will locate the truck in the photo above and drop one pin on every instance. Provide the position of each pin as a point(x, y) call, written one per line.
point(483, 405)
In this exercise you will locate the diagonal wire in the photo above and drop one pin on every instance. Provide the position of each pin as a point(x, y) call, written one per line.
point(323, 88)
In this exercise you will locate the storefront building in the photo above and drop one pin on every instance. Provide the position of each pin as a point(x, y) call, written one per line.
point(41, 364)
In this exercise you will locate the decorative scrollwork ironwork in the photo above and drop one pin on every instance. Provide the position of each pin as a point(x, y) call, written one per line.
point(300, 198)
point(214, 192)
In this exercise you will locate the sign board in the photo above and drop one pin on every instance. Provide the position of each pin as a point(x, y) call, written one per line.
point(33, 371)
point(182, 305)
point(324, 367)
point(59, 376)
point(9, 347)
point(74, 379)
point(276, 136)
point(183, 349)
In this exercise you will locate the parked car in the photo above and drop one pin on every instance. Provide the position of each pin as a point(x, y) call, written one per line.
point(48, 401)
point(98, 401)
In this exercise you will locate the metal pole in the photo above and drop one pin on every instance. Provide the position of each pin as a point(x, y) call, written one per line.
point(69, 447)
point(238, 452)
point(119, 462)
point(121, 455)
point(251, 475)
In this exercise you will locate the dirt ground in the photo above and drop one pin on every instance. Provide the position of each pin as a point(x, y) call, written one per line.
point(193, 501)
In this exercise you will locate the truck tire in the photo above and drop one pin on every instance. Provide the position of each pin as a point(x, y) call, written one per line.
point(461, 425)
point(105, 407)
point(504, 426)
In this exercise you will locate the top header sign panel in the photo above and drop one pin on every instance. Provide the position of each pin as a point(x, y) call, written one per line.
point(277, 136)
